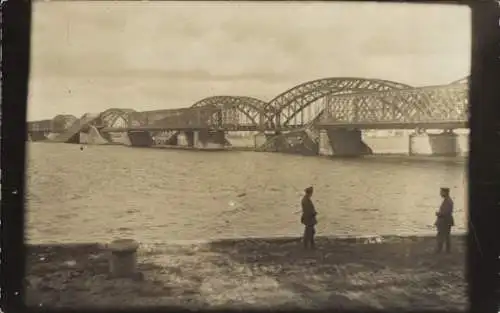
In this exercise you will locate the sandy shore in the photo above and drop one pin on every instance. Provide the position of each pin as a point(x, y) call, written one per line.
point(392, 273)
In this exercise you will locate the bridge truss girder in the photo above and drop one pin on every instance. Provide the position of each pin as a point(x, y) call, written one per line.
point(233, 112)
point(194, 117)
point(283, 108)
point(410, 106)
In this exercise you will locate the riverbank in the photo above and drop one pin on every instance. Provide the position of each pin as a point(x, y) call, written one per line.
point(352, 273)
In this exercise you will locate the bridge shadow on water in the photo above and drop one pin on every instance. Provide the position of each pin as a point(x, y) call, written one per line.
point(352, 273)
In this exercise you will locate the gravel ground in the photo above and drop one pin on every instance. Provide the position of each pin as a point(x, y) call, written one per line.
point(387, 273)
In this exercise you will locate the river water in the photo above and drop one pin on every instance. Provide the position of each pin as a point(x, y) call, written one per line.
point(160, 195)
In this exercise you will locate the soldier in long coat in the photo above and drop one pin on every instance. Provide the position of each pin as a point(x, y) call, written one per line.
point(444, 221)
point(308, 218)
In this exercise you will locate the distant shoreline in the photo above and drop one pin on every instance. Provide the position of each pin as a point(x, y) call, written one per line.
point(460, 159)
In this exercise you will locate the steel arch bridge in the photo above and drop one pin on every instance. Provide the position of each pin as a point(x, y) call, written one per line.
point(286, 107)
point(303, 105)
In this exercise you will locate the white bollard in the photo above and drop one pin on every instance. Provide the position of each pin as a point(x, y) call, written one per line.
point(123, 259)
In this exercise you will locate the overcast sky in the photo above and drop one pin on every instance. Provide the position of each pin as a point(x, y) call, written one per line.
point(90, 56)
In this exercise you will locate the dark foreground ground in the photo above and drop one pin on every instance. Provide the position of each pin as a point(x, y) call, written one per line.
point(256, 273)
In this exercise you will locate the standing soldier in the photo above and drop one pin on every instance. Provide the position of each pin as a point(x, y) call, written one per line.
point(308, 218)
point(444, 221)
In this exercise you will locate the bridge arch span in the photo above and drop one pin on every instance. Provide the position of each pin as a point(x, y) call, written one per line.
point(284, 107)
point(62, 122)
point(238, 110)
point(115, 117)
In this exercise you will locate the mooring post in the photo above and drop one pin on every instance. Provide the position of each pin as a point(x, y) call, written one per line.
point(123, 258)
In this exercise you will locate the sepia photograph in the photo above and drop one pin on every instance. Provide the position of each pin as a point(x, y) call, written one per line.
point(247, 155)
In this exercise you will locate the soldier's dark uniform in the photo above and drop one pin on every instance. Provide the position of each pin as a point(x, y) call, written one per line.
point(444, 222)
point(308, 219)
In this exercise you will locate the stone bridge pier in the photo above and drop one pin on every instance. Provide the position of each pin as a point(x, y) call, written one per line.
point(186, 138)
point(140, 138)
point(37, 135)
point(342, 142)
point(203, 139)
point(441, 144)
point(190, 138)
point(270, 138)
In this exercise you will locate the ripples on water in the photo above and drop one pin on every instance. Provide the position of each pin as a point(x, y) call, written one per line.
point(155, 195)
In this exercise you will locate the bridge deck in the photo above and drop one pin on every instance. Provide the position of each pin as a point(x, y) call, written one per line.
point(224, 127)
point(368, 125)
point(177, 128)
point(395, 125)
